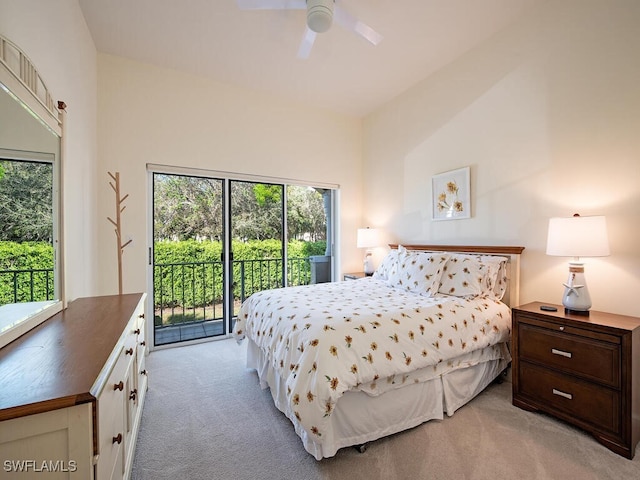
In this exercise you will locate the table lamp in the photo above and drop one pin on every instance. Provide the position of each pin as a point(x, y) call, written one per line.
point(577, 237)
point(368, 238)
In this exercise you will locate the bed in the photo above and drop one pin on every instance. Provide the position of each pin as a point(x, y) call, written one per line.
point(354, 361)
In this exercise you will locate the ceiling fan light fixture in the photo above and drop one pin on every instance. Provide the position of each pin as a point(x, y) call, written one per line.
point(319, 15)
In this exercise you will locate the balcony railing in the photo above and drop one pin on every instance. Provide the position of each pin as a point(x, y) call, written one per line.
point(183, 292)
point(193, 291)
point(26, 285)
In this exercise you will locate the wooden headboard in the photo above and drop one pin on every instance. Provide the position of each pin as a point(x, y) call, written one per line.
point(512, 295)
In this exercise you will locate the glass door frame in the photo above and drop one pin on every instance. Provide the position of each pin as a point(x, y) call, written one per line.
point(183, 329)
point(227, 177)
point(229, 218)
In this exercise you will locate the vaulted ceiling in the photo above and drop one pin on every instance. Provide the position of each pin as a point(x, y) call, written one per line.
point(257, 49)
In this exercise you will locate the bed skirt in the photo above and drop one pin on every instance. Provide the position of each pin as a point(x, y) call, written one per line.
point(359, 418)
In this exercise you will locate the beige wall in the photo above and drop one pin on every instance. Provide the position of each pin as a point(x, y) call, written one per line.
point(55, 37)
point(547, 115)
point(161, 116)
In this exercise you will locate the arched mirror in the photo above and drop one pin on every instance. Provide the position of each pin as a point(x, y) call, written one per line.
point(31, 253)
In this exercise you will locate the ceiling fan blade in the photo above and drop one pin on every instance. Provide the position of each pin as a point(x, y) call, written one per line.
point(307, 42)
point(348, 21)
point(272, 4)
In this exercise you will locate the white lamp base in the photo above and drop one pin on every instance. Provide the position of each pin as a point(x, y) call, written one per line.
point(576, 298)
point(368, 264)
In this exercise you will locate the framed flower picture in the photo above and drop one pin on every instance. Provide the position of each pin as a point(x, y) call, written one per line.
point(450, 195)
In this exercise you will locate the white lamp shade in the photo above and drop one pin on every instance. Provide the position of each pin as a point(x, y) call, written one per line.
point(578, 237)
point(368, 238)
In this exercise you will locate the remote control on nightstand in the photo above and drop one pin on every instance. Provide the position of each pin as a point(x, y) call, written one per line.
point(548, 308)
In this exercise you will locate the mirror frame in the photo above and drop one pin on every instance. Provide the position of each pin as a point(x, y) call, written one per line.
point(20, 79)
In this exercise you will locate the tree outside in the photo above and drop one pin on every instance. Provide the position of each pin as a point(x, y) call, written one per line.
point(190, 208)
point(26, 235)
point(188, 230)
point(26, 201)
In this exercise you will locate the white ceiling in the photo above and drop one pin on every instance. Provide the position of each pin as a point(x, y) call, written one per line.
point(257, 49)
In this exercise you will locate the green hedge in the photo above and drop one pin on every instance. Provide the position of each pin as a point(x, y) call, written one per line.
point(25, 256)
point(189, 273)
point(193, 250)
point(193, 279)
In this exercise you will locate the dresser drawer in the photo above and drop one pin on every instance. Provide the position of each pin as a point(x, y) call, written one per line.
point(138, 321)
point(588, 358)
point(596, 405)
point(111, 420)
point(141, 342)
point(142, 375)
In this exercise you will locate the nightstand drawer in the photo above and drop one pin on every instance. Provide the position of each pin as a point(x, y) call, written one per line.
point(590, 359)
point(593, 404)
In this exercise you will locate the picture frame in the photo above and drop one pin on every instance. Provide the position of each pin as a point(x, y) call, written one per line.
point(451, 195)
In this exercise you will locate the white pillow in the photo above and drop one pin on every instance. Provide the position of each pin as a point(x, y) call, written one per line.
point(473, 275)
point(418, 272)
point(389, 263)
point(500, 284)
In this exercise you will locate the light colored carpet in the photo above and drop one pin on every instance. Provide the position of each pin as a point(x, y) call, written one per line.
point(205, 417)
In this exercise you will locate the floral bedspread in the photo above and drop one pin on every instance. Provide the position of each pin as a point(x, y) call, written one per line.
point(328, 338)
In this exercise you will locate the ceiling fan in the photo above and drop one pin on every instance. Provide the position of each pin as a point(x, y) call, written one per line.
point(320, 16)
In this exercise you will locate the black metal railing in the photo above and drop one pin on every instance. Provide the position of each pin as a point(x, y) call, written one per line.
point(189, 292)
point(183, 292)
point(26, 285)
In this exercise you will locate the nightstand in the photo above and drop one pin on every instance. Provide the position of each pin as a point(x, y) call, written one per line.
point(584, 370)
point(353, 276)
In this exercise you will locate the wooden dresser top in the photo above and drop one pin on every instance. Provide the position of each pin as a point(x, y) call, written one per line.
point(56, 364)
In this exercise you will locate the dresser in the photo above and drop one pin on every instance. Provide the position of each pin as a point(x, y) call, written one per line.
point(72, 390)
point(582, 369)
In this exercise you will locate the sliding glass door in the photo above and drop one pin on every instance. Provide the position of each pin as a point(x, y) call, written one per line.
point(29, 281)
point(216, 241)
point(187, 258)
point(257, 239)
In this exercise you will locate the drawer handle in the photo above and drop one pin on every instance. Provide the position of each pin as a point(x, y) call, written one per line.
point(136, 331)
point(141, 315)
point(143, 372)
point(118, 386)
point(129, 351)
point(118, 439)
point(143, 343)
point(562, 394)
point(561, 353)
point(132, 395)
